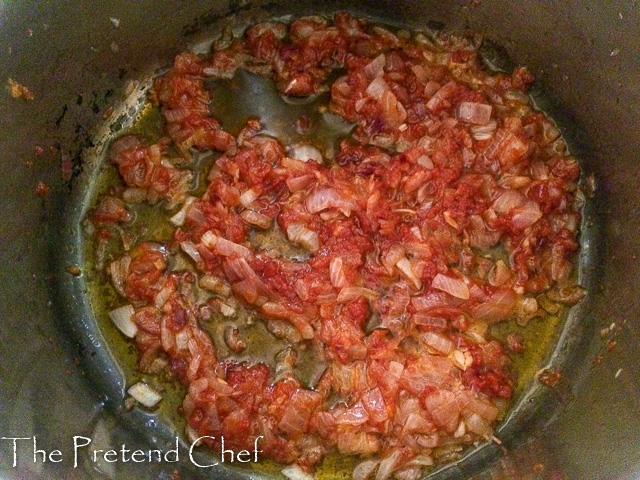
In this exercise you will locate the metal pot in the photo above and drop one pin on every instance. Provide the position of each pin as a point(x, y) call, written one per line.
point(57, 381)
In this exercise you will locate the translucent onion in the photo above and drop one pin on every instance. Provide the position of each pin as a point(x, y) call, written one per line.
point(365, 469)
point(352, 293)
point(388, 465)
point(439, 342)
point(122, 317)
point(336, 273)
point(472, 112)
point(144, 394)
point(294, 472)
point(453, 286)
point(375, 68)
point(305, 152)
point(248, 197)
point(298, 233)
point(256, 218)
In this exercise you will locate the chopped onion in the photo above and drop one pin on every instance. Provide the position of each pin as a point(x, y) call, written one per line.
point(477, 424)
point(439, 342)
point(351, 293)
point(144, 394)
point(190, 249)
point(476, 113)
point(294, 472)
point(223, 246)
point(227, 310)
point(526, 215)
point(426, 162)
point(119, 269)
point(388, 465)
point(364, 469)
point(429, 322)
point(336, 273)
point(484, 132)
point(377, 88)
point(255, 218)
point(329, 198)
point(405, 267)
point(209, 239)
point(484, 408)
point(179, 218)
point(441, 95)
point(215, 285)
point(298, 183)
point(298, 233)
point(497, 307)
point(122, 317)
point(499, 274)
point(248, 197)
point(509, 200)
point(134, 195)
point(375, 68)
point(408, 473)
point(453, 286)
point(305, 152)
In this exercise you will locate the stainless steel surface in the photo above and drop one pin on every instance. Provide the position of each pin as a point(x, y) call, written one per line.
point(77, 57)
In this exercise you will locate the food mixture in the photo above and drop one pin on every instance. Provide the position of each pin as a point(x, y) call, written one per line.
point(451, 205)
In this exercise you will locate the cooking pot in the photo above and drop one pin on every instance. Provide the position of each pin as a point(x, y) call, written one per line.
point(58, 378)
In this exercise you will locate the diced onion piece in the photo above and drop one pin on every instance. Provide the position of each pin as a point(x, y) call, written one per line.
point(351, 293)
point(227, 248)
point(223, 246)
point(509, 200)
point(477, 424)
point(134, 195)
point(256, 218)
point(209, 239)
point(119, 270)
point(190, 249)
point(305, 152)
point(408, 473)
point(298, 183)
point(499, 274)
point(144, 394)
point(453, 286)
point(248, 197)
point(426, 162)
point(179, 218)
point(429, 322)
point(294, 472)
point(438, 342)
point(364, 469)
point(472, 112)
point(122, 317)
point(484, 132)
point(495, 308)
point(182, 340)
point(215, 285)
point(405, 267)
point(329, 198)
point(388, 465)
point(227, 310)
point(439, 97)
point(375, 67)
point(298, 233)
point(377, 88)
point(336, 273)
point(526, 215)
point(395, 253)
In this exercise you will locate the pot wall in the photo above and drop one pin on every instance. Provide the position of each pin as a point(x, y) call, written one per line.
point(77, 57)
